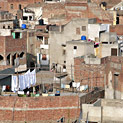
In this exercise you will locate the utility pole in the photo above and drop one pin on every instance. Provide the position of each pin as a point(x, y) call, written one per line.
point(71, 72)
point(60, 76)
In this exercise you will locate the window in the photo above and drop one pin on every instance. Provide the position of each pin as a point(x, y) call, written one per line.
point(16, 35)
point(64, 52)
point(40, 38)
point(11, 6)
point(64, 66)
point(3, 26)
point(83, 28)
point(75, 47)
point(78, 31)
point(20, 6)
point(113, 52)
point(25, 18)
point(30, 17)
point(46, 42)
point(44, 57)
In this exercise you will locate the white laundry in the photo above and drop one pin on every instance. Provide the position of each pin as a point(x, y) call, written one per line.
point(33, 77)
point(27, 79)
point(14, 83)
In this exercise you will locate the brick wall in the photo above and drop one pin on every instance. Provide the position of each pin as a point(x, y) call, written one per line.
point(39, 109)
point(53, 10)
point(2, 45)
point(120, 19)
point(6, 5)
point(92, 75)
point(118, 29)
point(114, 64)
point(16, 45)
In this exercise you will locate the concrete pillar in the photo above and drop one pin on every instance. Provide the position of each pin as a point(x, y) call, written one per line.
point(10, 59)
point(5, 60)
point(114, 18)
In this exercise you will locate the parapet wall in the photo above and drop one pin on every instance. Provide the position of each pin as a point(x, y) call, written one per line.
point(38, 109)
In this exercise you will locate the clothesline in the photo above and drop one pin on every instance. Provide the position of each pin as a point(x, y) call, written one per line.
point(23, 81)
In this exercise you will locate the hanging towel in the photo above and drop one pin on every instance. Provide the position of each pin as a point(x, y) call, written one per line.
point(74, 84)
point(14, 83)
point(27, 79)
point(33, 77)
point(82, 88)
point(22, 82)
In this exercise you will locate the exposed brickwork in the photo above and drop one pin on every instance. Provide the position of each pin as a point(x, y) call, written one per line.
point(110, 3)
point(2, 45)
point(118, 29)
point(9, 45)
point(120, 19)
point(6, 5)
point(114, 65)
point(43, 109)
point(54, 10)
point(76, 9)
point(16, 45)
point(92, 75)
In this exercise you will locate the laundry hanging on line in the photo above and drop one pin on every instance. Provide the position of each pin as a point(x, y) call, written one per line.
point(25, 81)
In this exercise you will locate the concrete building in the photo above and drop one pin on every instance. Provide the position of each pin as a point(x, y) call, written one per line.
point(6, 20)
point(107, 46)
point(74, 49)
point(103, 111)
point(59, 35)
point(27, 16)
point(95, 31)
point(42, 50)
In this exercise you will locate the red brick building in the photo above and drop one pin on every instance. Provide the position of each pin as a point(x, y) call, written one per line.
point(88, 74)
point(13, 5)
point(114, 77)
point(108, 74)
point(118, 29)
point(12, 46)
point(62, 13)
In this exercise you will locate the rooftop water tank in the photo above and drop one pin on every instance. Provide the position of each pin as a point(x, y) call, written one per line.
point(83, 37)
point(58, 92)
point(23, 26)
